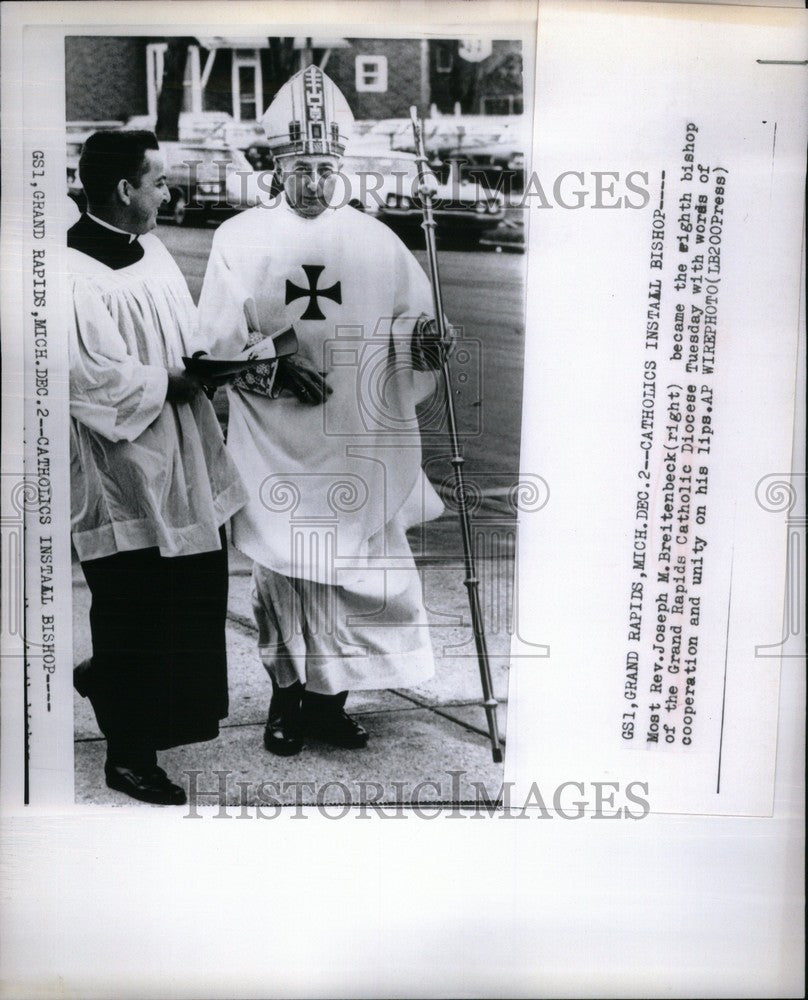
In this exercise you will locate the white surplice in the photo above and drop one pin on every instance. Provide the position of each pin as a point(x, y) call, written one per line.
point(332, 488)
point(143, 473)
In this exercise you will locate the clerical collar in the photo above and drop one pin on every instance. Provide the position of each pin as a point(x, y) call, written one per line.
point(111, 246)
point(107, 225)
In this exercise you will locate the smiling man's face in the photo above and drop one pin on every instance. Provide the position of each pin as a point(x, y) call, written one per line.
point(146, 197)
point(308, 182)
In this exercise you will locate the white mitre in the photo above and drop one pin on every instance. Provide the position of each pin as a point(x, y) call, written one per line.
point(309, 115)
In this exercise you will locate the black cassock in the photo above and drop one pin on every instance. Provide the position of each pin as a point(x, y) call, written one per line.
point(159, 664)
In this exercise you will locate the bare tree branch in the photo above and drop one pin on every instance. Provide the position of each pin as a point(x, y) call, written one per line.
point(169, 103)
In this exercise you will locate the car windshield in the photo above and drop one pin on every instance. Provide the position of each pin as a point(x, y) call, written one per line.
point(177, 154)
point(379, 165)
point(211, 155)
point(207, 164)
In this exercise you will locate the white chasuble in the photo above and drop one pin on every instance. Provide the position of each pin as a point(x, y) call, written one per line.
point(332, 488)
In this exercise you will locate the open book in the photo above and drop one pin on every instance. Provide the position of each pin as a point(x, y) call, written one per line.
point(277, 345)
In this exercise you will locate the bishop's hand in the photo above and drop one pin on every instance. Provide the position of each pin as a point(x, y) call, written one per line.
point(428, 351)
point(303, 381)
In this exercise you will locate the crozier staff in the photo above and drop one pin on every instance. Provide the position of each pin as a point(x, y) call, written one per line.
point(329, 446)
point(151, 482)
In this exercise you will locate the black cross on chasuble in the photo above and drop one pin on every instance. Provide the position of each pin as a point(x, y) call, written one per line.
point(313, 272)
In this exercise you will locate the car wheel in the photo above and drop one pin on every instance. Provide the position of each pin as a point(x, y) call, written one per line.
point(178, 209)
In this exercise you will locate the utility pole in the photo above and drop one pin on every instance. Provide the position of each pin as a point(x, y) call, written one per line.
point(424, 90)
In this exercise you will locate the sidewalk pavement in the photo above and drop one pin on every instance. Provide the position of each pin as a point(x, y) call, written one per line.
point(420, 734)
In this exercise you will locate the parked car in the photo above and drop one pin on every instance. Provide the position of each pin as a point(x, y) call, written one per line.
point(204, 178)
point(385, 183)
point(451, 131)
point(370, 176)
point(497, 165)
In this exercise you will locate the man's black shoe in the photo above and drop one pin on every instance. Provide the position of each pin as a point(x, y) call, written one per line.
point(283, 734)
point(148, 784)
point(325, 718)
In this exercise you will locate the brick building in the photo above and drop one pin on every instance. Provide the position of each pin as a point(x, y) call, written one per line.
point(116, 78)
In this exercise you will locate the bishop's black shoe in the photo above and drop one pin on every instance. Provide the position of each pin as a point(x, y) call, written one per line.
point(325, 718)
point(148, 784)
point(283, 734)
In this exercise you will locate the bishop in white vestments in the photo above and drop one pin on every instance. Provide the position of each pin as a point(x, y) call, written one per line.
point(330, 451)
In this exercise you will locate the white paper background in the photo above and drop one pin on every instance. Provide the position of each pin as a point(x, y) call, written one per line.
point(622, 104)
point(144, 905)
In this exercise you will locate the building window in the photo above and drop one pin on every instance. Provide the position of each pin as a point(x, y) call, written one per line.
point(192, 85)
point(246, 85)
point(444, 60)
point(371, 74)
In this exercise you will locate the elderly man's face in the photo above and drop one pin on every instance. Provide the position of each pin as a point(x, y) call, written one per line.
point(309, 182)
point(150, 193)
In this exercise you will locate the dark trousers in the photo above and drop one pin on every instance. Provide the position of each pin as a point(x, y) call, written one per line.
point(159, 672)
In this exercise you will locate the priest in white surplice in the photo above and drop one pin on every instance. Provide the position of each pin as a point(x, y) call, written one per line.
point(329, 446)
point(152, 484)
